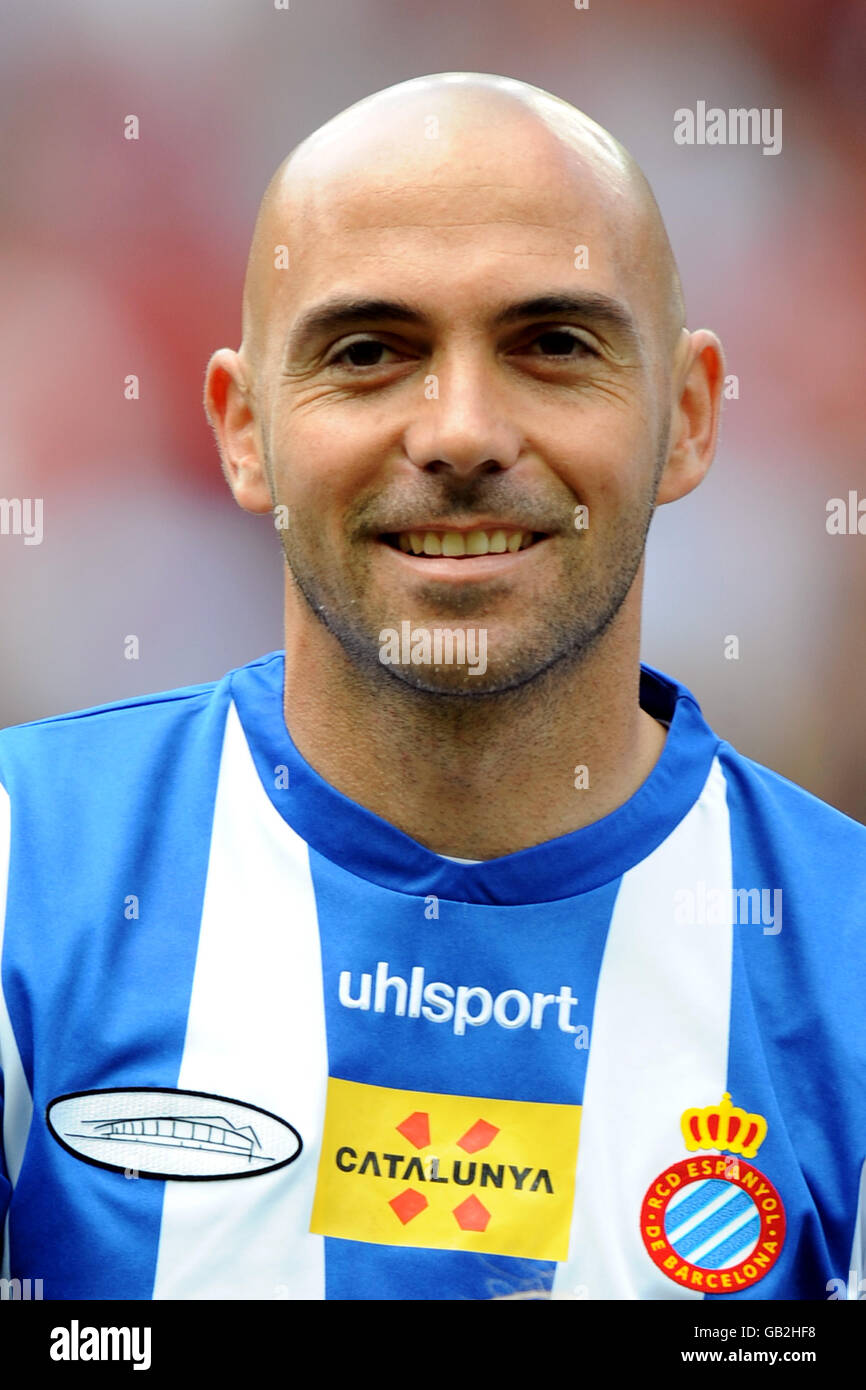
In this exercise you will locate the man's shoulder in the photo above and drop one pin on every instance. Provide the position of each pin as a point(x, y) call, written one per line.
point(120, 731)
point(104, 728)
point(785, 824)
point(755, 793)
point(781, 797)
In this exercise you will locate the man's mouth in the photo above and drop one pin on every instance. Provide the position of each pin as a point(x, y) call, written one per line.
point(461, 544)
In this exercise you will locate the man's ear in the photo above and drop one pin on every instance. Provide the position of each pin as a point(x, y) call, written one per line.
point(698, 378)
point(228, 404)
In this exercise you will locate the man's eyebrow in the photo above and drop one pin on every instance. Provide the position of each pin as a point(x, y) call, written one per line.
point(336, 314)
point(340, 314)
point(590, 305)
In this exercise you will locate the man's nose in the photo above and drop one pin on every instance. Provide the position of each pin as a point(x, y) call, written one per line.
point(463, 423)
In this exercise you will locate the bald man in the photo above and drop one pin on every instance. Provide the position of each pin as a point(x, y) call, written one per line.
point(452, 930)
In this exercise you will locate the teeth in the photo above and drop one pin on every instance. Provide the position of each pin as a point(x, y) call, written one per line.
point(451, 543)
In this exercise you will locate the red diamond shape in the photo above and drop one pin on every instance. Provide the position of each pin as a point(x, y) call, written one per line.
point(416, 1128)
point(472, 1215)
point(409, 1203)
point(478, 1137)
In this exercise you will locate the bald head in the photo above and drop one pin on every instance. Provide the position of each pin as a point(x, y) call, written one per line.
point(461, 313)
point(451, 131)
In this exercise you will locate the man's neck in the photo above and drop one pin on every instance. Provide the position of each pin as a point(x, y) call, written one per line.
point(475, 778)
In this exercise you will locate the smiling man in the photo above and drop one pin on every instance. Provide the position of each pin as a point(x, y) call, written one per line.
point(431, 390)
point(500, 977)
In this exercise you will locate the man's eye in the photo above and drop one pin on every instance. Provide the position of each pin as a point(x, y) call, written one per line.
point(558, 342)
point(364, 352)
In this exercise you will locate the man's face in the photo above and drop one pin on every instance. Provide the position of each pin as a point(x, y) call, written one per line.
point(474, 421)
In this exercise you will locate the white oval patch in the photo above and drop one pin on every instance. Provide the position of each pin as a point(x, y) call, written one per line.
point(150, 1133)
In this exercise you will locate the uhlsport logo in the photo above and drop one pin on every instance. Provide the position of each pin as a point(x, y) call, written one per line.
point(715, 1224)
point(447, 1172)
point(459, 1006)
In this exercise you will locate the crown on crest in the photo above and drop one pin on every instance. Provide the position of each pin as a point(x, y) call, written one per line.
point(723, 1126)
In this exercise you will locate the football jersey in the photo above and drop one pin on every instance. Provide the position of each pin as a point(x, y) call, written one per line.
point(258, 1043)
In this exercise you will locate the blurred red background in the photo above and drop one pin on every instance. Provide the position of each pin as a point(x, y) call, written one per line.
point(122, 257)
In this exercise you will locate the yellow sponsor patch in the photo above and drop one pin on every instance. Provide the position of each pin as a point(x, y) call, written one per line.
point(447, 1172)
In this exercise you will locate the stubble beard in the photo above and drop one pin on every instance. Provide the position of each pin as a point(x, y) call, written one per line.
point(565, 635)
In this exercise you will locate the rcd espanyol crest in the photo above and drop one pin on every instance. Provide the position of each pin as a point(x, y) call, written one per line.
point(715, 1223)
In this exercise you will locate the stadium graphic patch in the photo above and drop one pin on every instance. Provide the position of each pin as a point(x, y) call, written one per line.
point(190, 1136)
point(715, 1224)
point(445, 1172)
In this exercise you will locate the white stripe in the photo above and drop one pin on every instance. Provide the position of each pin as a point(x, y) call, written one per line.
point(857, 1263)
point(704, 1214)
point(18, 1102)
point(256, 1033)
point(658, 1045)
point(719, 1238)
point(685, 1194)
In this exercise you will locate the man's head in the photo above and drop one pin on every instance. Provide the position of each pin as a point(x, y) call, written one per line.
point(462, 315)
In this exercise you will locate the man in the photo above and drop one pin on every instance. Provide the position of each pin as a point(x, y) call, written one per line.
point(456, 934)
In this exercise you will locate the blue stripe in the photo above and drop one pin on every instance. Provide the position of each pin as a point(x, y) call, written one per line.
point(534, 949)
point(105, 804)
point(737, 1244)
point(797, 1017)
point(706, 1193)
point(356, 1271)
point(715, 1222)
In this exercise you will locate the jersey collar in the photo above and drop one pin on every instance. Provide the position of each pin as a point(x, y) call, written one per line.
point(372, 848)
